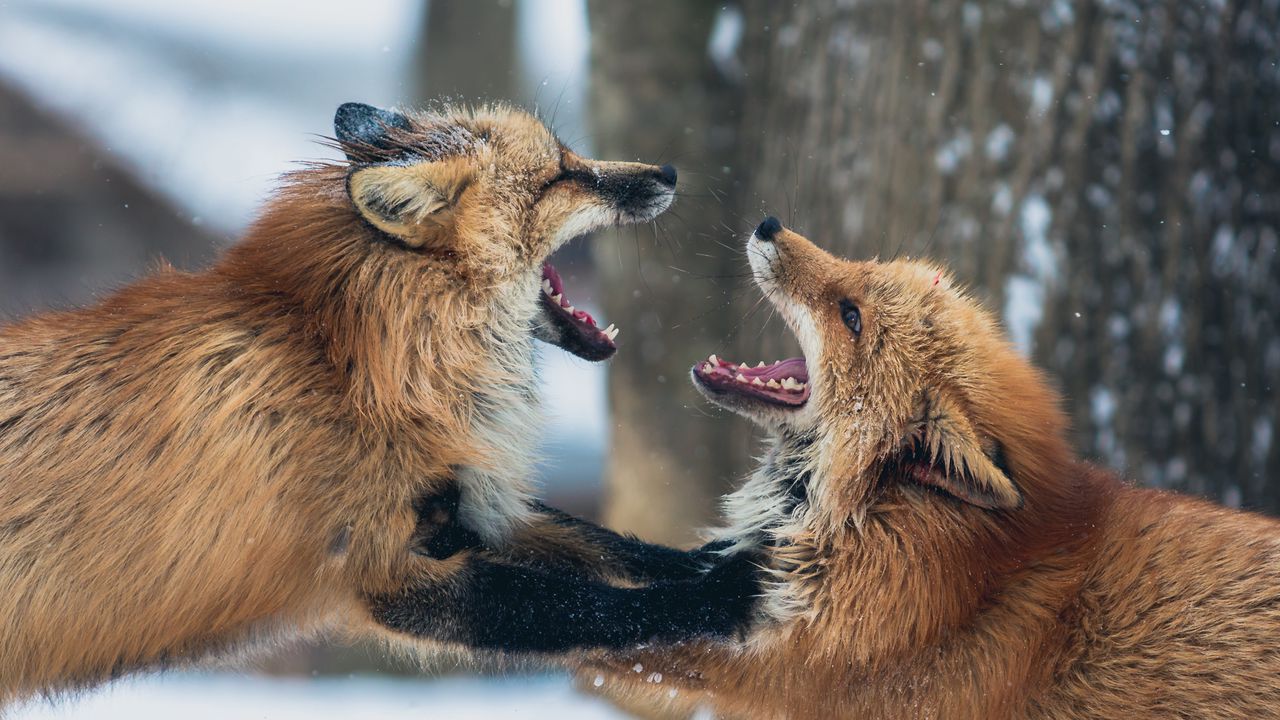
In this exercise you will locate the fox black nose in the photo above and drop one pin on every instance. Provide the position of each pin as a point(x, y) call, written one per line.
point(668, 174)
point(768, 228)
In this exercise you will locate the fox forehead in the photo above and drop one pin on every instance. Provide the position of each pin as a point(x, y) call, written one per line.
point(499, 134)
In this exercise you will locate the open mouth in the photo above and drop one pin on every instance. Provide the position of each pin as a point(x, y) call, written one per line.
point(570, 328)
point(783, 384)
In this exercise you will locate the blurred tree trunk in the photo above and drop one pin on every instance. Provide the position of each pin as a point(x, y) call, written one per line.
point(1105, 174)
point(468, 52)
point(656, 96)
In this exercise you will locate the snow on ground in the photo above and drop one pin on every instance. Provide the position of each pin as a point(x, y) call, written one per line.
point(235, 697)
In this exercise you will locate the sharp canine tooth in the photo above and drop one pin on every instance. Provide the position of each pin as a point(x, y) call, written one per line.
point(569, 308)
point(612, 332)
point(707, 368)
point(760, 364)
point(773, 384)
point(757, 382)
point(741, 378)
point(557, 297)
point(713, 359)
point(546, 287)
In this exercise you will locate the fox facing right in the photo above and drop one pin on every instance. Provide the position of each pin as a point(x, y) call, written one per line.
point(939, 551)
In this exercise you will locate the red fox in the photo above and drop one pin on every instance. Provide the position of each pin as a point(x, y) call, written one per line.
point(936, 548)
point(320, 431)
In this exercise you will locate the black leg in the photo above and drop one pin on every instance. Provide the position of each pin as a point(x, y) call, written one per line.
point(627, 556)
point(492, 605)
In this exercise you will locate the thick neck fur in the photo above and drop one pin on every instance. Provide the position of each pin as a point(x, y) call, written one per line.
point(772, 510)
point(919, 565)
point(415, 340)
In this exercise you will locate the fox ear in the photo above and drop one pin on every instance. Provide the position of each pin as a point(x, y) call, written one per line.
point(358, 126)
point(945, 452)
point(406, 202)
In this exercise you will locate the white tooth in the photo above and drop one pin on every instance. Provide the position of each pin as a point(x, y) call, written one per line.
point(773, 384)
point(546, 287)
point(557, 297)
point(570, 308)
point(800, 386)
point(741, 378)
point(777, 362)
point(708, 368)
point(788, 383)
point(612, 333)
point(760, 364)
point(757, 381)
point(713, 359)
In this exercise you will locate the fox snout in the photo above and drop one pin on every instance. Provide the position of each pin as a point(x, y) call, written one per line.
point(639, 192)
point(782, 260)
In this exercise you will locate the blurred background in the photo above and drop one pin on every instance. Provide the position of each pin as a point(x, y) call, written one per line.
point(1105, 174)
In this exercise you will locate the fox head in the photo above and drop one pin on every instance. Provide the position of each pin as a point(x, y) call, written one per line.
point(907, 382)
point(490, 194)
point(420, 262)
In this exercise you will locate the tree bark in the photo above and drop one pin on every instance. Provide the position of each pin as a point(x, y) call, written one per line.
point(1104, 174)
point(656, 96)
point(469, 52)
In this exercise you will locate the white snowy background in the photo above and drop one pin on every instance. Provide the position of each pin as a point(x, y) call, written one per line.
point(208, 101)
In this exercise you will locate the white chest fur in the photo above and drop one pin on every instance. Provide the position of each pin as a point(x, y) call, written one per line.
point(771, 511)
point(496, 496)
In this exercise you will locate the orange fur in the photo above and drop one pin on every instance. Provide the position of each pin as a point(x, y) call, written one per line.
point(1092, 599)
point(202, 460)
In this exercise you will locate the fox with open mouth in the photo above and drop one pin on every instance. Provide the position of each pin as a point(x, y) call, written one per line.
point(332, 428)
point(936, 549)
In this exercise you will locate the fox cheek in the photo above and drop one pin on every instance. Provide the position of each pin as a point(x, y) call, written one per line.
point(943, 451)
point(564, 218)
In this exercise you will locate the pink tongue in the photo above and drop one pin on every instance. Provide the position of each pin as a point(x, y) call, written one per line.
point(792, 367)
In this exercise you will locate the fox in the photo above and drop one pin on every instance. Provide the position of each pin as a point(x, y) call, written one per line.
point(331, 429)
point(934, 547)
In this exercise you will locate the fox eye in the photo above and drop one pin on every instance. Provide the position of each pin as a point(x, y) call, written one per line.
point(852, 316)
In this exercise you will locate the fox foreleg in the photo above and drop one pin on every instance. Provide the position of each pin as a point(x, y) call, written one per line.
point(487, 604)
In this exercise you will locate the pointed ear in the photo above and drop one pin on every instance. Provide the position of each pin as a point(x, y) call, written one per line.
point(358, 125)
point(945, 452)
point(407, 202)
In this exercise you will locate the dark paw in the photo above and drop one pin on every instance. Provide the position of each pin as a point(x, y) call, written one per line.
point(439, 534)
point(707, 556)
point(733, 587)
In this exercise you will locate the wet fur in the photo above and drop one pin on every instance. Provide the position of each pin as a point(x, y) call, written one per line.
point(894, 598)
